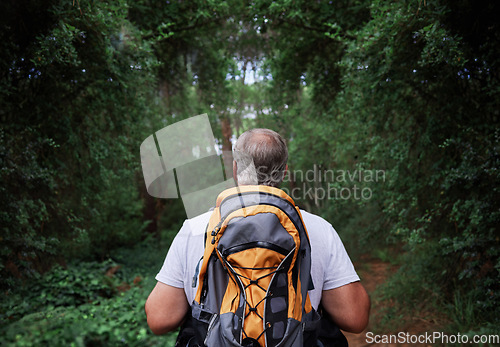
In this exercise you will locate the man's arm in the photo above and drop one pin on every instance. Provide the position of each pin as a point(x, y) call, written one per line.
point(348, 306)
point(165, 308)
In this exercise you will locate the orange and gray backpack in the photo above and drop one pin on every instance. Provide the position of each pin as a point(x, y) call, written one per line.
point(255, 276)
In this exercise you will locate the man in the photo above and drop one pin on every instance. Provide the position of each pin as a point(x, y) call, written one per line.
point(260, 158)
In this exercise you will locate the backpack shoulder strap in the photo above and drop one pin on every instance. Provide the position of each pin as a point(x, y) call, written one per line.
point(209, 248)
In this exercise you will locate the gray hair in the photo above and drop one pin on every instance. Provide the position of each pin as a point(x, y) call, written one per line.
point(260, 156)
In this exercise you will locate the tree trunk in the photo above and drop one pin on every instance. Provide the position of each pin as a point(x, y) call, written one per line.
point(227, 146)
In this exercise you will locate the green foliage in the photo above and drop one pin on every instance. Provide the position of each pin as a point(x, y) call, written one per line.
point(78, 82)
point(86, 303)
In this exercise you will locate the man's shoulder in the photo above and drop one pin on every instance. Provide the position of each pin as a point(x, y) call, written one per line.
point(314, 220)
point(196, 225)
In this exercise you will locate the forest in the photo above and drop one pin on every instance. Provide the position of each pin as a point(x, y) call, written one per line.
point(390, 110)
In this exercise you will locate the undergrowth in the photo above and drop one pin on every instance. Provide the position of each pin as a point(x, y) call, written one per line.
point(86, 303)
point(412, 300)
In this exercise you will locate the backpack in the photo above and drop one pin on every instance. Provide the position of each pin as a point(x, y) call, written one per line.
point(255, 276)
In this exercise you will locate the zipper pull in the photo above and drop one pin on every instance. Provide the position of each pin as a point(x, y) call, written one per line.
point(215, 231)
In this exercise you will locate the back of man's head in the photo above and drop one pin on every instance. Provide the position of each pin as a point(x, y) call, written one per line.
point(260, 156)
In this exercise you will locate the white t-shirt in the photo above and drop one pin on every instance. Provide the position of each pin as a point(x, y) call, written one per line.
point(331, 266)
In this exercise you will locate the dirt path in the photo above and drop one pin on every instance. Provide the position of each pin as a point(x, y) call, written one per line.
point(373, 273)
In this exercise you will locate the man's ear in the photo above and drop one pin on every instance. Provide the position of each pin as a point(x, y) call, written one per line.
point(235, 172)
point(285, 172)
